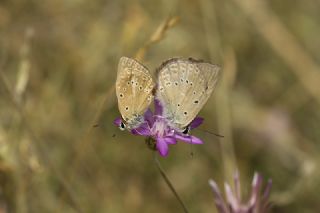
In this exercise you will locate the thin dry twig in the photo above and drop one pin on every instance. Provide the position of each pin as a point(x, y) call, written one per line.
point(157, 36)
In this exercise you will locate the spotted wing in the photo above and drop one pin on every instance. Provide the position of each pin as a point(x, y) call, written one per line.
point(134, 87)
point(184, 86)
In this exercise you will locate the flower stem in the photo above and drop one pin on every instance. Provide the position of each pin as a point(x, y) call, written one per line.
point(163, 174)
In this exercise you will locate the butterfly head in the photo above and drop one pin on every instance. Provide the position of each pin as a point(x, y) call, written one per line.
point(122, 126)
point(120, 123)
point(186, 130)
point(129, 124)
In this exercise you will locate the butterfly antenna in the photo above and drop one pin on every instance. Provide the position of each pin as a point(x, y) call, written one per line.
point(98, 125)
point(191, 153)
point(212, 133)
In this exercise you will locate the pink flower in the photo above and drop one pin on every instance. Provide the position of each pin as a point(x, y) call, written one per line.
point(257, 203)
point(156, 126)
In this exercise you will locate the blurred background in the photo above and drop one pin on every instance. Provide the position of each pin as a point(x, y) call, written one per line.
point(60, 152)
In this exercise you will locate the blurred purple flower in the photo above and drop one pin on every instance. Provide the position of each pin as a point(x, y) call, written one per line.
point(257, 203)
point(156, 126)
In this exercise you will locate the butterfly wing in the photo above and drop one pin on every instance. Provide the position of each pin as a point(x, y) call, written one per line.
point(134, 87)
point(184, 86)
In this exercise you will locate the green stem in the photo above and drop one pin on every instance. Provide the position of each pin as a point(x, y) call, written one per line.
point(163, 174)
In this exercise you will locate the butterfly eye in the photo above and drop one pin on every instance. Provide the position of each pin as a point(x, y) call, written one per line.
point(186, 130)
point(122, 126)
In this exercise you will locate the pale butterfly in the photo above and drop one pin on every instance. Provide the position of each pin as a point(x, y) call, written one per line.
point(183, 87)
point(134, 87)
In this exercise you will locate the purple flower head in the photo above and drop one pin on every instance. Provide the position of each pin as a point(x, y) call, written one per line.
point(257, 203)
point(156, 126)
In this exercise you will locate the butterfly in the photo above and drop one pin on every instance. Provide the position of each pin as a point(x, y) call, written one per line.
point(134, 88)
point(182, 88)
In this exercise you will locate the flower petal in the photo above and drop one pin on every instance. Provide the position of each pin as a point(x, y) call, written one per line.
point(143, 129)
point(264, 200)
point(162, 147)
point(196, 122)
point(220, 203)
point(237, 189)
point(256, 187)
point(231, 199)
point(189, 139)
point(148, 116)
point(158, 108)
point(170, 140)
point(267, 190)
point(117, 121)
